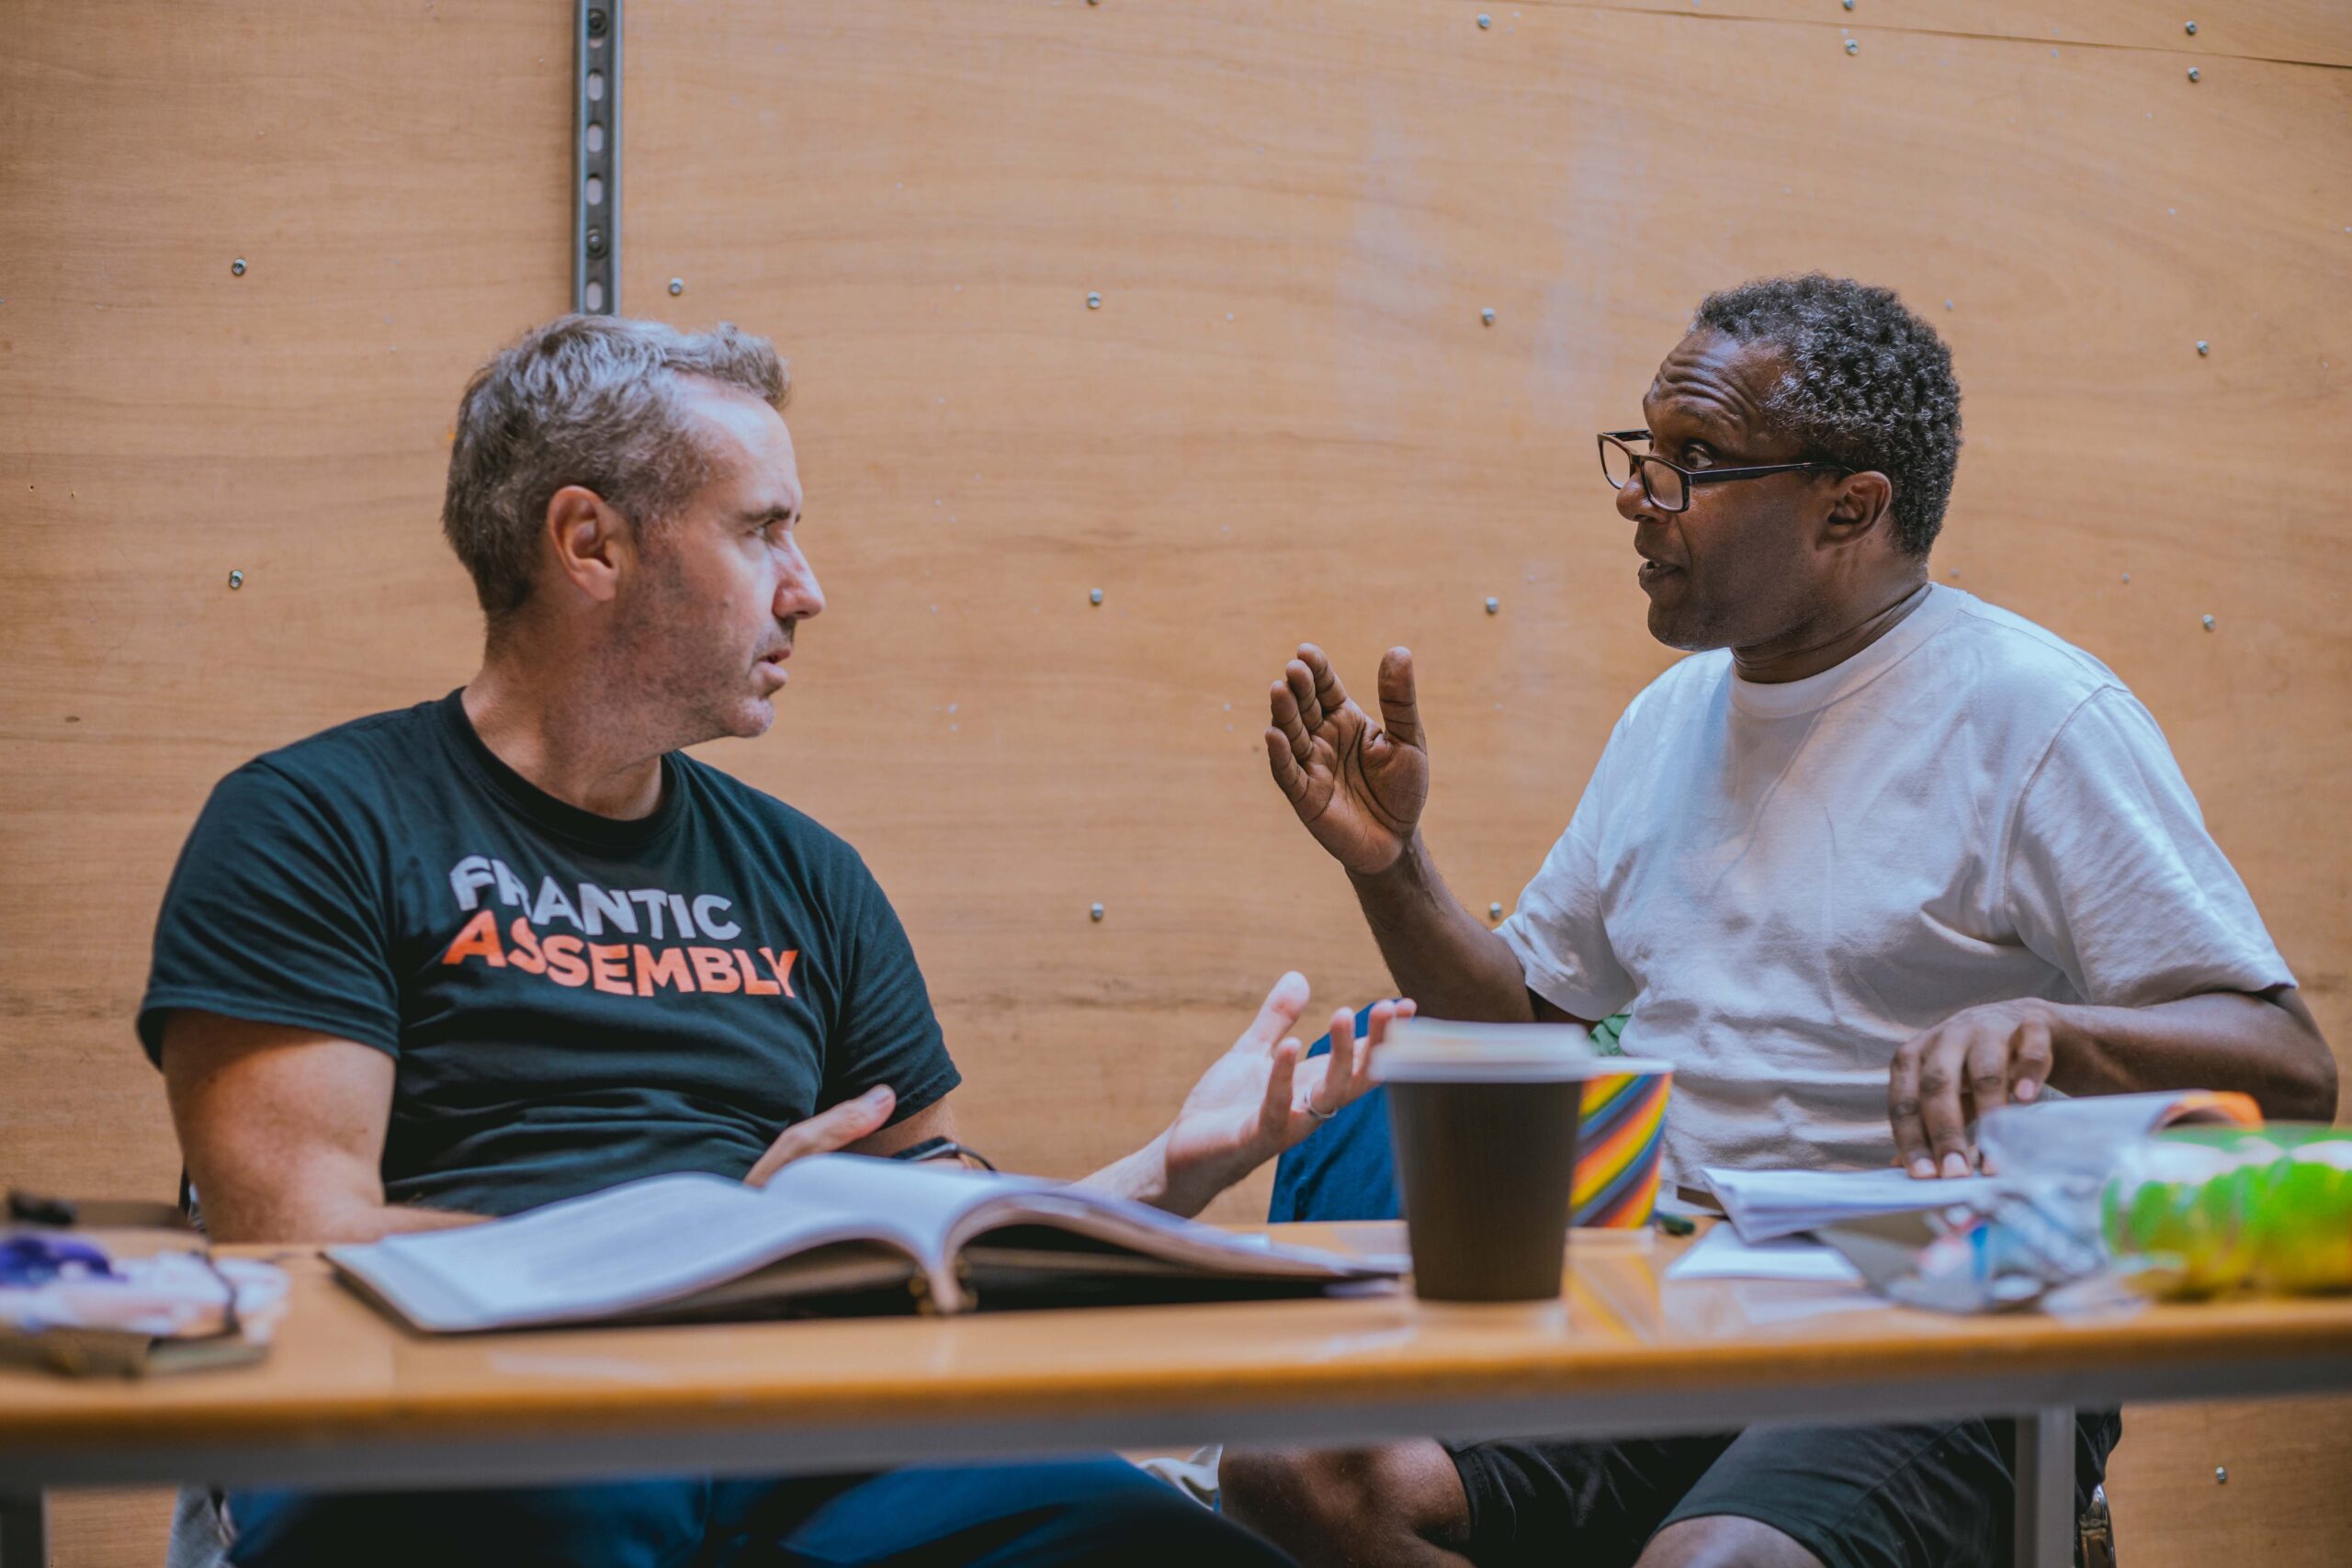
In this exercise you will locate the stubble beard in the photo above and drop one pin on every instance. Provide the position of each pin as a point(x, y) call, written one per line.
point(1686, 630)
point(691, 690)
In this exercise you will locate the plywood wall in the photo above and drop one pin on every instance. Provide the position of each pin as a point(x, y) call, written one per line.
point(1285, 420)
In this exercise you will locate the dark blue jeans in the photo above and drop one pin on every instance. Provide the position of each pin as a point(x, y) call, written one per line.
point(1100, 1513)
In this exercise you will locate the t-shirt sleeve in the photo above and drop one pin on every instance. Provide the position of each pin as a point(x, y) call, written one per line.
point(886, 1031)
point(1558, 931)
point(2111, 876)
point(273, 914)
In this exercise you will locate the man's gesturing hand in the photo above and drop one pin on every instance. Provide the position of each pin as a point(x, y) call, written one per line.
point(1977, 1060)
point(1260, 1098)
point(827, 1130)
point(1359, 787)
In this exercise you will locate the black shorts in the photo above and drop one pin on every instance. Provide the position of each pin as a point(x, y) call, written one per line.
point(1939, 1495)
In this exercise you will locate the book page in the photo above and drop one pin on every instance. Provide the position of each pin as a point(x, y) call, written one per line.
point(1160, 1235)
point(625, 1249)
point(918, 1198)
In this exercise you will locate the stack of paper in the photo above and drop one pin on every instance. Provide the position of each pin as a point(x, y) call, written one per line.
point(1766, 1205)
point(1722, 1255)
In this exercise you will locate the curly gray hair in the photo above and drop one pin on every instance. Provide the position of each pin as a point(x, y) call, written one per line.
point(589, 400)
point(1865, 384)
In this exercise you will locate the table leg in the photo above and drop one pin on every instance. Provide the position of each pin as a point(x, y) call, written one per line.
point(2045, 1471)
point(24, 1531)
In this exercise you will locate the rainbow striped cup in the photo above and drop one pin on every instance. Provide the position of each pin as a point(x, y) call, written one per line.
point(1618, 1138)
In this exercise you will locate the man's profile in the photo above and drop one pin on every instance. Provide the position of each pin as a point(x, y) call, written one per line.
point(513, 945)
point(1878, 858)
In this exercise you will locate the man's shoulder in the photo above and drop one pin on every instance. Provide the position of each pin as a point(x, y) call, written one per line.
point(348, 762)
point(395, 732)
point(1694, 680)
point(1998, 653)
point(747, 806)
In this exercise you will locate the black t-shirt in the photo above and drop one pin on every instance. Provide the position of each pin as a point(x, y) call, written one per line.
point(571, 1001)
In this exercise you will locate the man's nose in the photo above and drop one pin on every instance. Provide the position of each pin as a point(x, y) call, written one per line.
point(1634, 502)
point(798, 595)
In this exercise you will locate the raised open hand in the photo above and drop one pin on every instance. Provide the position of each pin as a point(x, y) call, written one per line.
point(1358, 787)
point(1264, 1095)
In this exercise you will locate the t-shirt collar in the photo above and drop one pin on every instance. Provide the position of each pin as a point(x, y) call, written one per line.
point(589, 828)
point(1786, 699)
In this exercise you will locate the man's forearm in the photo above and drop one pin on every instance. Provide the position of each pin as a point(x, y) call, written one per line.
point(2267, 1046)
point(315, 1225)
point(1438, 954)
point(1143, 1176)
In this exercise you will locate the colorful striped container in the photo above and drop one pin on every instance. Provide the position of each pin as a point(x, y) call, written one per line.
point(1617, 1145)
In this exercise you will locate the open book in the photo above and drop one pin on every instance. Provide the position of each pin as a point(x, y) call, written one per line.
point(831, 1233)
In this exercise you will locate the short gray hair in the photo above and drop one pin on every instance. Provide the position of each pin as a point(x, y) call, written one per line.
point(589, 400)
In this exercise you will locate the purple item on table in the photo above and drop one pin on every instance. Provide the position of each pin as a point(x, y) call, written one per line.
point(27, 1258)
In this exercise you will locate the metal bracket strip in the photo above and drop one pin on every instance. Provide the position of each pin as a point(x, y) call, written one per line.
point(596, 161)
point(24, 1529)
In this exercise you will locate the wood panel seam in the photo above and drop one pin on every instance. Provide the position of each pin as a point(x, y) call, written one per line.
point(1861, 29)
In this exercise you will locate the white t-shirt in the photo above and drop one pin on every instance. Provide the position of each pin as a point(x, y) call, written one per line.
point(1787, 882)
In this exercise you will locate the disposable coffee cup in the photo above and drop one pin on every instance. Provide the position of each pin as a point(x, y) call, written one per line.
point(1483, 1119)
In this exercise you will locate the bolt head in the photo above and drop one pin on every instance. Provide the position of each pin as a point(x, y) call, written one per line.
point(595, 242)
point(1094, 595)
point(1494, 606)
point(2209, 623)
point(2195, 74)
point(2221, 1471)
point(1095, 301)
point(1485, 21)
point(2203, 348)
point(237, 267)
point(1488, 315)
point(236, 579)
point(597, 23)
point(1094, 911)
point(1494, 911)
point(677, 286)
point(2192, 29)
point(1849, 5)
point(1853, 45)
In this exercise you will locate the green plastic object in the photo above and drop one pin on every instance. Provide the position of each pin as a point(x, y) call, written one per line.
point(2194, 1212)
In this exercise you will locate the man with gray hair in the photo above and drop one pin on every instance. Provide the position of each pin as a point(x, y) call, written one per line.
point(513, 945)
point(1879, 858)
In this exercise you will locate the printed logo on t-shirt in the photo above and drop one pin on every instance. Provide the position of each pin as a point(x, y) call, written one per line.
point(689, 938)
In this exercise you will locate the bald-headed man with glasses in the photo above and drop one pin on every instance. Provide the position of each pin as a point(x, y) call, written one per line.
point(1879, 858)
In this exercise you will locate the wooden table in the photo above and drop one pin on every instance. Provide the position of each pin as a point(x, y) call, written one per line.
point(349, 1400)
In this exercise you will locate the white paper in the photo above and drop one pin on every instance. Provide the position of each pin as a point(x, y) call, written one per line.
point(1766, 1205)
point(1722, 1255)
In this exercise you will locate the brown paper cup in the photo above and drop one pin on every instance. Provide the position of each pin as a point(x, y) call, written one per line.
point(1483, 1119)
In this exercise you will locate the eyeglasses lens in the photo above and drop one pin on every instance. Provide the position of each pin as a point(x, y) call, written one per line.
point(1617, 462)
point(1663, 481)
point(1665, 484)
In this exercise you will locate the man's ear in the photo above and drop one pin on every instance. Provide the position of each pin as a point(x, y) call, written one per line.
point(1861, 502)
point(591, 541)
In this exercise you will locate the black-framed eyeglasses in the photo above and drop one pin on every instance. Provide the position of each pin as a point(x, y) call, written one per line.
point(1668, 483)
